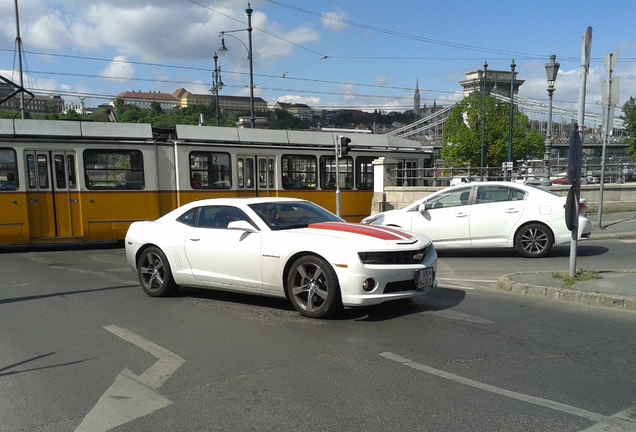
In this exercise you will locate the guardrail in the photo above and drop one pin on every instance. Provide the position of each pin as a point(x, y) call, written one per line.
point(396, 187)
point(618, 172)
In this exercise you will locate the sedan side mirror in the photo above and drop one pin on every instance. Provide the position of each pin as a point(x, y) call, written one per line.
point(242, 225)
point(422, 207)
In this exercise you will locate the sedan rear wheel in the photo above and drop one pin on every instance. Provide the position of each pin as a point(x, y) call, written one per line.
point(534, 240)
point(154, 273)
point(313, 287)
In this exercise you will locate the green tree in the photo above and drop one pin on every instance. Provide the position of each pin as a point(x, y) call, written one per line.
point(286, 120)
point(629, 119)
point(461, 138)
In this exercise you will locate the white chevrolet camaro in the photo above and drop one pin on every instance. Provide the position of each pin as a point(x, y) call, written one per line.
point(489, 215)
point(280, 247)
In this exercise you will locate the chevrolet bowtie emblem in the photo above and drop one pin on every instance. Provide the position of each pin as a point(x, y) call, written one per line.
point(418, 257)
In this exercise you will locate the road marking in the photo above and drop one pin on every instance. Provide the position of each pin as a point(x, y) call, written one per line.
point(451, 314)
point(132, 396)
point(459, 283)
point(628, 414)
point(624, 421)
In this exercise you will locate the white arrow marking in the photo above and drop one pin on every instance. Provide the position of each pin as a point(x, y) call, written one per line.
point(132, 396)
point(621, 422)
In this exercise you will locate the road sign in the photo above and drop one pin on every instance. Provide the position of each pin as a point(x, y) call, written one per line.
point(588, 46)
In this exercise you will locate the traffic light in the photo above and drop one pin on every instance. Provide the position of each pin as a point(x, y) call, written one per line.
point(344, 148)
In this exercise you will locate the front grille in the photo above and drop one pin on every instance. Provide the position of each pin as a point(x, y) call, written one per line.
point(393, 257)
point(399, 286)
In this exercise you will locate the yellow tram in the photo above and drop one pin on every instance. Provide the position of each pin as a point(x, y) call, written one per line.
point(64, 181)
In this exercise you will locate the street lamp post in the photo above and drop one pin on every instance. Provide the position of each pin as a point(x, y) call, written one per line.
point(551, 71)
point(217, 86)
point(223, 48)
point(483, 126)
point(512, 105)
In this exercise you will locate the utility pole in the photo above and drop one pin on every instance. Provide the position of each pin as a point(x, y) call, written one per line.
point(609, 90)
point(576, 145)
point(18, 41)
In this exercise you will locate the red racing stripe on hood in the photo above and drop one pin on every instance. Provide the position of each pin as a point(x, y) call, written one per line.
point(379, 232)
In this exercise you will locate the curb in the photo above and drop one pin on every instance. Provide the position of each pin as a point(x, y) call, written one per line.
point(612, 236)
point(591, 298)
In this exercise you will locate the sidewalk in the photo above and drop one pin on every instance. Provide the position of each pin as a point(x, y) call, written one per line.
point(616, 289)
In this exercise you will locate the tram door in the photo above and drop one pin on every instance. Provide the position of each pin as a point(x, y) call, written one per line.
point(52, 195)
point(256, 175)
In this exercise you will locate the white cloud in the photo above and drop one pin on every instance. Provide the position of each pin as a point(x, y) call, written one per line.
point(119, 69)
point(48, 32)
point(334, 20)
point(295, 99)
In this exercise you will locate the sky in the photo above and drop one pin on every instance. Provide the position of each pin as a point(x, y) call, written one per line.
point(331, 54)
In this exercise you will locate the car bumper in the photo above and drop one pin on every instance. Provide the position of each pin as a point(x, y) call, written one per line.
point(391, 282)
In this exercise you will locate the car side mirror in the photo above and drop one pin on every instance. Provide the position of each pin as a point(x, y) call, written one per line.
point(241, 225)
point(422, 207)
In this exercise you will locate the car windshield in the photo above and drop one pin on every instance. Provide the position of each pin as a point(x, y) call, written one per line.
point(292, 214)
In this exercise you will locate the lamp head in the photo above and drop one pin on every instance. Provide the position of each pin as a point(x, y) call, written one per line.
point(551, 70)
point(223, 48)
point(219, 82)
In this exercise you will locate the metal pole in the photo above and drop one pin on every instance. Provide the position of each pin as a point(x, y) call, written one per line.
point(585, 64)
point(249, 11)
point(18, 40)
point(483, 127)
point(552, 70)
point(608, 122)
point(215, 83)
point(512, 105)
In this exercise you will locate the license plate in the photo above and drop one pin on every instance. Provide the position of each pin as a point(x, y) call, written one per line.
point(424, 279)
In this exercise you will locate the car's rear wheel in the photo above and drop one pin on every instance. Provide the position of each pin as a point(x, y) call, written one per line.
point(154, 273)
point(534, 240)
point(313, 287)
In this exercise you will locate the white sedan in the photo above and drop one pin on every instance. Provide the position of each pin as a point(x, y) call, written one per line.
point(489, 215)
point(280, 247)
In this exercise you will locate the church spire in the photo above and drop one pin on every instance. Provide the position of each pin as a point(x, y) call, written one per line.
point(416, 98)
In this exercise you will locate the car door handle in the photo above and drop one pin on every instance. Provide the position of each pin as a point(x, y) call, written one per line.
point(461, 214)
point(512, 210)
point(195, 238)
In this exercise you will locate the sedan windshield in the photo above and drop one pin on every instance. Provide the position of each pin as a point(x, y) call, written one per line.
point(293, 214)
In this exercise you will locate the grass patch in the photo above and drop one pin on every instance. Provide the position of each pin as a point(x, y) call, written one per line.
point(579, 276)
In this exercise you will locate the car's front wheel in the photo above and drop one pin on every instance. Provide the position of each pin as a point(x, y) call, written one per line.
point(154, 273)
point(313, 288)
point(534, 240)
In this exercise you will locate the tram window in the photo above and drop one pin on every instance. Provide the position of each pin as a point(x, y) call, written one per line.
point(249, 173)
point(60, 174)
point(70, 171)
point(8, 169)
point(299, 171)
point(43, 171)
point(31, 170)
point(270, 170)
point(113, 169)
point(240, 164)
point(265, 173)
point(364, 172)
point(328, 172)
point(210, 170)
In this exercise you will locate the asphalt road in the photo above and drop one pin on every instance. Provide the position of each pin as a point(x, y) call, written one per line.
point(83, 348)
